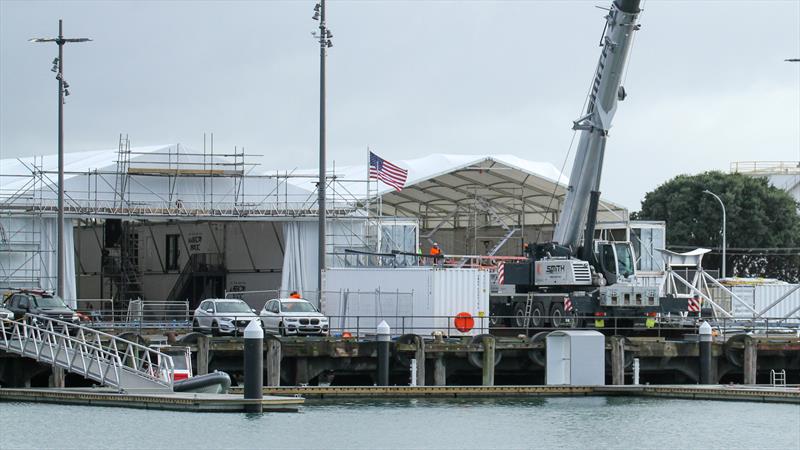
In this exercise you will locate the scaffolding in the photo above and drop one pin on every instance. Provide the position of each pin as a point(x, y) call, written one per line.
point(175, 182)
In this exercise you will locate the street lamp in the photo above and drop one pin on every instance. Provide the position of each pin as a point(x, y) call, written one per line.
point(724, 243)
point(324, 39)
point(58, 68)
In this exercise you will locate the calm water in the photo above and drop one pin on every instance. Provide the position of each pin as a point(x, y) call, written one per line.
point(580, 422)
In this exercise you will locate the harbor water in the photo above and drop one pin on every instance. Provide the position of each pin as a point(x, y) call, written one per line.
point(573, 422)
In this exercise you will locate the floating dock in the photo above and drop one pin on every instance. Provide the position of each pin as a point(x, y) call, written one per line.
point(171, 401)
point(788, 394)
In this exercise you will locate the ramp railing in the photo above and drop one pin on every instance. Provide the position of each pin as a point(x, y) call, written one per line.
point(95, 355)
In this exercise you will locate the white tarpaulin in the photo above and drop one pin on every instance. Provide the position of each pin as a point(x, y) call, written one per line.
point(28, 258)
point(300, 261)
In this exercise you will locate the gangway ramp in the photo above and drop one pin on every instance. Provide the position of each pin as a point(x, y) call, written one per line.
point(98, 356)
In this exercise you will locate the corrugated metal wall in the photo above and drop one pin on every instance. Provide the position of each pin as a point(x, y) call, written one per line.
point(412, 300)
point(759, 297)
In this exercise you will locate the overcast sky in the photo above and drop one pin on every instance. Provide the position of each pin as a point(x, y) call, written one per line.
point(707, 81)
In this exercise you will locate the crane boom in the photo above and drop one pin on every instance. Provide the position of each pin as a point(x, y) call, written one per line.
point(606, 91)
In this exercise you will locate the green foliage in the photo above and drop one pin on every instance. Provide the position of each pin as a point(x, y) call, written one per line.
point(758, 216)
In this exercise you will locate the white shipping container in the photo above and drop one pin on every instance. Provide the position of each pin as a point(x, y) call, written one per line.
point(760, 297)
point(418, 300)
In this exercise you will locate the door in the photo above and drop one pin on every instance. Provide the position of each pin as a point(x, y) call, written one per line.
point(269, 317)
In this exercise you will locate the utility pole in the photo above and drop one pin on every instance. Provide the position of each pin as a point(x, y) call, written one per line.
point(324, 38)
point(724, 243)
point(63, 91)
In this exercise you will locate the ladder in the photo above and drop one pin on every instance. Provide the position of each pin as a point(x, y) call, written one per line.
point(528, 312)
point(777, 379)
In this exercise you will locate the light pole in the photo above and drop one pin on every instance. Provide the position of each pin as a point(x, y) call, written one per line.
point(724, 243)
point(324, 38)
point(63, 91)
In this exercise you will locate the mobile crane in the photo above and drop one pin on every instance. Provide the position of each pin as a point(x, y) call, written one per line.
point(562, 282)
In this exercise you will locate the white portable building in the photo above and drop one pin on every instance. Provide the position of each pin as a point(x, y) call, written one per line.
point(414, 300)
point(777, 302)
point(576, 358)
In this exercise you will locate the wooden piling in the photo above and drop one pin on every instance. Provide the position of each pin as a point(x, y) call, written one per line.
point(57, 378)
point(419, 355)
point(617, 360)
point(202, 354)
point(750, 365)
point(488, 360)
point(273, 362)
point(439, 371)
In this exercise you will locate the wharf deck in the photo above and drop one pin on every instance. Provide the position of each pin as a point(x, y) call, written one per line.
point(172, 401)
point(757, 393)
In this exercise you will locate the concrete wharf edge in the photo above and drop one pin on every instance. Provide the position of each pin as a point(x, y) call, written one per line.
point(789, 394)
point(172, 401)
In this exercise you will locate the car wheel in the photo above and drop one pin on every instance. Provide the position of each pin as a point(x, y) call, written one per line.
point(195, 325)
point(281, 329)
point(215, 329)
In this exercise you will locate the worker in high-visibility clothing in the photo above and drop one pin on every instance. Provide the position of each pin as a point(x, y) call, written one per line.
point(294, 294)
point(436, 252)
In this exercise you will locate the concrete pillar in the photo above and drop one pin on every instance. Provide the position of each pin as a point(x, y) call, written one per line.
point(488, 360)
point(273, 361)
point(750, 365)
point(419, 355)
point(704, 342)
point(383, 333)
point(253, 366)
point(57, 378)
point(617, 360)
point(202, 354)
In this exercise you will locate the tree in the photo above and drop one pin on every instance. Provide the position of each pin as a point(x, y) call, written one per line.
point(763, 225)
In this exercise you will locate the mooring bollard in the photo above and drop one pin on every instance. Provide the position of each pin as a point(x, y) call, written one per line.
point(253, 366)
point(383, 333)
point(704, 342)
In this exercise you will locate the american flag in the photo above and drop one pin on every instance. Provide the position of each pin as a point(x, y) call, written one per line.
point(380, 169)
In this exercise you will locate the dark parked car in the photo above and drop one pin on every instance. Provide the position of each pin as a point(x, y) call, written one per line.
point(40, 303)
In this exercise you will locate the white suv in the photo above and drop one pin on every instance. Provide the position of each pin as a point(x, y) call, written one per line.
point(293, 316)
point(223, 316)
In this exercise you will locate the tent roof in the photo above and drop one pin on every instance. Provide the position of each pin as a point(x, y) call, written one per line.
point(443, 187)
point(448, 188)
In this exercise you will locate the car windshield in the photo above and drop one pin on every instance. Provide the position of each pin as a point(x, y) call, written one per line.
point(49, 302)
point(293, 307)
point(232, 307)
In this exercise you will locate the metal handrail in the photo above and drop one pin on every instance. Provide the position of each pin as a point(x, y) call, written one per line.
point(88, 349)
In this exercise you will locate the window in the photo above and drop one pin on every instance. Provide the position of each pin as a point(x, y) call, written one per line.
point(172, 253)
point(274, 308)
point(23, 302)
point(298, 307)
point(233, 307)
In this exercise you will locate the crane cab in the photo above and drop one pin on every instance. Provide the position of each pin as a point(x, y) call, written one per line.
point(615, 260)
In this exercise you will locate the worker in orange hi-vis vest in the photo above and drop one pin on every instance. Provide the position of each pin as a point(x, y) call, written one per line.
point(436, 252)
